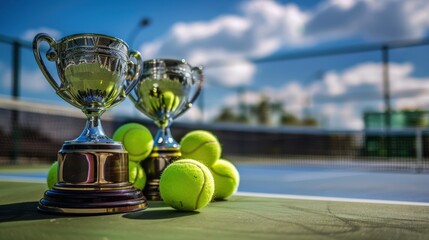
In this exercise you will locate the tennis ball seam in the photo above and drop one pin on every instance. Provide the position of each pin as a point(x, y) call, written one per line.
point(202, 185)
point(223, 175)
point(124, 138)
point(198, 147)
point(220, 174)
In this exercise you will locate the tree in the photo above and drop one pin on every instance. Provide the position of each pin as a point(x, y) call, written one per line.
point(309, 121)
point(263, 113)
point(288, 119)
point(226, 115)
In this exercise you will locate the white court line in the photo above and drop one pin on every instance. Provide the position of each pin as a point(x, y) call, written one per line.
point(335, 199)
point(254, 194)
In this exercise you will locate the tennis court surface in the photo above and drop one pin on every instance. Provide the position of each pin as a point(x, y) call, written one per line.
point(243, 216)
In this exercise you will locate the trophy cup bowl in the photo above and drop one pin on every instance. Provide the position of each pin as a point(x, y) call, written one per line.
point(167, 88)
point(96, 72)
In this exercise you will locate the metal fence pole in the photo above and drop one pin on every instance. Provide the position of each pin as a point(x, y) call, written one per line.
point(419, 150)
point(386, 98)
point(16, 130)
point(386, 86)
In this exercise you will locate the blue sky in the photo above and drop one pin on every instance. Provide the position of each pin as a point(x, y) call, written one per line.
point(336, 89)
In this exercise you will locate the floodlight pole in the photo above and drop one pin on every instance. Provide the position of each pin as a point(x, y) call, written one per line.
point(144, 22)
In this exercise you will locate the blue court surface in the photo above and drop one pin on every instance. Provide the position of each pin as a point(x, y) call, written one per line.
point(304, 181)
point(322, 181)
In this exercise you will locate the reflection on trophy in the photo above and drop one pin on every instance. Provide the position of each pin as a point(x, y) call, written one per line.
point(167, 88)
point(96, 73)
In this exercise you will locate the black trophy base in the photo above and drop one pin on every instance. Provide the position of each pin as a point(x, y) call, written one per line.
point(61, 200)
point(153, 166)
point(93, 178)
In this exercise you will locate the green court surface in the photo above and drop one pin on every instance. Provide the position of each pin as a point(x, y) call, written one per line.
point(240, 217)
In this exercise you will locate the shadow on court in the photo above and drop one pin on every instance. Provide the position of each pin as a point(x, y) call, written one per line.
point(23, 211)
point(157, 210)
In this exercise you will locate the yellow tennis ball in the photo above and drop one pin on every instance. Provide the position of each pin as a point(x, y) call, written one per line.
point(171, 101)
point(226, 178)
point(137, 176)
point(137, 140)
point(52, 177)
point(186, 185)
point(202, 146)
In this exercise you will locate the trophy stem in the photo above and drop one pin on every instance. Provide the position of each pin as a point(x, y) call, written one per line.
point(93, 130)
point(164, 139)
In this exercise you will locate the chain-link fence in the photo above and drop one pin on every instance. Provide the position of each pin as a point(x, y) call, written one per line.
point(36, 135)
point(292, 116)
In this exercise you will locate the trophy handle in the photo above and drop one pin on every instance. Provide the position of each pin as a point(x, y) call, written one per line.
point(51, 55)
point(199, 71)
point(135, 71)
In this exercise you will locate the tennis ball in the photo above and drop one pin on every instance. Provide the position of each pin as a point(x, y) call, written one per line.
point(186, 185)
point(226, 178)
point(137, 176)
point(202, 146)
point(137, 140)
point(171, 101)
point(52, 177)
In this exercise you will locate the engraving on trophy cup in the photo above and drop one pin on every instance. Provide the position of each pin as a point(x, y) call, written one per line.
point(167, 88)
point(95, 73)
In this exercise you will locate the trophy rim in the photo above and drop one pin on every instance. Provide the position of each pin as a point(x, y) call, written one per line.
point(69, 37)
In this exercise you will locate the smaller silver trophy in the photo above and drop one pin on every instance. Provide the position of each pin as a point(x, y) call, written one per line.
point(167, 88)
point(95, 73)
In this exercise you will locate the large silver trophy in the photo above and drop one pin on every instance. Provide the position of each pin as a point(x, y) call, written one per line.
point(96, 72)
point(167, 88)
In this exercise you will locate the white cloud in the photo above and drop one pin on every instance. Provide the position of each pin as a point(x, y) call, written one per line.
point(192, 114)
point(340, 98)
point(30, 80)
point(33, 80)
point(346, 115)
point(202, 31)
point(333, 84)
point(372, 19)
point(273, 25)
point(263, 27)
point(233, 75)
point(361, 89)
point(31, 33)
point(248, 97)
